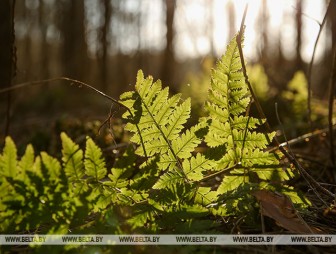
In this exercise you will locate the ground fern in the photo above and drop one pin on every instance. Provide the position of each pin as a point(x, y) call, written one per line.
point(170, 175)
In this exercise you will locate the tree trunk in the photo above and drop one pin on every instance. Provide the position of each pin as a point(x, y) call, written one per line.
point(7, 52)
point(298, 21)
point(168, 57)
point(264, 32)
point(74, 51)
point(231, 20)
point(103, 51)
point(332, 18)
point(7, 55)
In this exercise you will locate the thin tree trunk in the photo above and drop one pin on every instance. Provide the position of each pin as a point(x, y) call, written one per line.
point(7, 52)
point(74, 55)
point(168, 58)
point(332, 18)
point(298, 20)
point(231, 19)
point(44, 47)
point(264, 32)
point(103, 56)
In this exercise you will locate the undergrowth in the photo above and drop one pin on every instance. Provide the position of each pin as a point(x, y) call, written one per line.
point(170, 179)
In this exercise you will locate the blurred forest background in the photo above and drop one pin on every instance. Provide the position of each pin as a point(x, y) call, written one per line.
point(105, 42)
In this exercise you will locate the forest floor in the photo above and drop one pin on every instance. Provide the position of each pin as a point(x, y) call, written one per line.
point(42, 128)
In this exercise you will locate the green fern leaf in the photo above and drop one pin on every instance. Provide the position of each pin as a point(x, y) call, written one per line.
point(195, 167)
point(141, 218)
point(169, 180)
point(52, 165)
point(205, 196)
point(27, 160)
point(250, 139)
point(167, 161)
point(161, 120)
point(231, 128)
point(258, 157)
point(231, 158)
point(8, 159)
point(72, 159)
point(243, 122)
point(122, 169)
point(231, 183)
point(176, 121)
point(187, 142)
point(94, 162)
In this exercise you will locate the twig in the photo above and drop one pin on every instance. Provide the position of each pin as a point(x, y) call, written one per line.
point(305, 174)
point(51, 80)
point(309, 74)
point(73, 81)
point(330, 108)
point(301, 138)
point(108, 122)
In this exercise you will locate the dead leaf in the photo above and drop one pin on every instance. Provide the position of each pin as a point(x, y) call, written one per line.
point(280, 208)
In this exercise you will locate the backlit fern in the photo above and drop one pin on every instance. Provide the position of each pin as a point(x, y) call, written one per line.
point(174, 178)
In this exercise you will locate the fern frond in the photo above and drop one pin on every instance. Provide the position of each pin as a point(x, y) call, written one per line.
point(122, 169)
point(243, 122)
point(205, 196)
point(258, 157)
point(52, 165)
point(72, 159)
point(177, 119)
point(231, 183)
point(251, 139)
point(195, 167)
point(161, 120)
point(27, 160)
point(188, 141)
point(230, 127)
point(169, 180)
point(139, 219)
point(230, 159)
point(94, 162)
point(8, 159)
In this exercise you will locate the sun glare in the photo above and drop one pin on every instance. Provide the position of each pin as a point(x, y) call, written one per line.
point(194, 28)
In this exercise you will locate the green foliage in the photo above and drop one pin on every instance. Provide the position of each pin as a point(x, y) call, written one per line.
point(197, 85)
point(259, 81)
point(173, 178)
point(35, 192)
point(234, 144)
point(297, 94)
